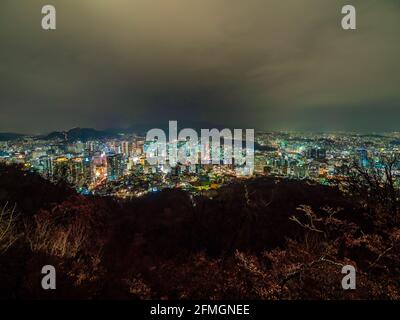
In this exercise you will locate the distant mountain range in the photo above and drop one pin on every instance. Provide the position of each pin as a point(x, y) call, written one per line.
point(71, 135)
point(81, 134)
point(85, 134)
point(7, 136)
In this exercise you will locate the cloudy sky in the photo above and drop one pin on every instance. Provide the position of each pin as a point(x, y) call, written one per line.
point(266, 64)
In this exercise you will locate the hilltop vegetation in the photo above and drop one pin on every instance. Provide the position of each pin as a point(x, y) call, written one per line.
point(260, 239)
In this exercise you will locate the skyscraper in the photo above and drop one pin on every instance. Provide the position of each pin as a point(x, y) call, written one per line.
point(114, 167)
point(126, 148)
point(363, 157)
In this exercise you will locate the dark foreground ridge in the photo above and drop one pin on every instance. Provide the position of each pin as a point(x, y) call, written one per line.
point(260, 239)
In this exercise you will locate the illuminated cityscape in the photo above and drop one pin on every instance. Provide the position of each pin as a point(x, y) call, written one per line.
point(199, 156)
point(118, 166)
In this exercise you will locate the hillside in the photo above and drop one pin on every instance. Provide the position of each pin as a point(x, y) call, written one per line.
point(242, 243)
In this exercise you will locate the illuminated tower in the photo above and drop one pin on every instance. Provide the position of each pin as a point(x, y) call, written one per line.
point(126, 148)
point(363, 157)
point(114, 167)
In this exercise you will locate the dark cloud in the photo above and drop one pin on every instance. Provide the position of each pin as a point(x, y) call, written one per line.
point(256, 63)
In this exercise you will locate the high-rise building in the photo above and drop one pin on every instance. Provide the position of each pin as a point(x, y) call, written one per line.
point(115, 168)
point(363, 157)
point(79, 171)
point(316, 153)
point(126, 148)
point(61, 169)
point(46, 164)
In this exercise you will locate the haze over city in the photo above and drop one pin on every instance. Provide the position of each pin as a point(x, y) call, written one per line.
point(259, 64)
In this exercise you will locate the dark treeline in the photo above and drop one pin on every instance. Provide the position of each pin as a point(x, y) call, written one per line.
point(264, 238)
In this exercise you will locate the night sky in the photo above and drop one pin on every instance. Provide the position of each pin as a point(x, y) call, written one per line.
point(264, 64)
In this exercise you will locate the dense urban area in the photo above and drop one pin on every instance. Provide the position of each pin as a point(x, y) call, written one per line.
point(117, 165)
point(114, 226)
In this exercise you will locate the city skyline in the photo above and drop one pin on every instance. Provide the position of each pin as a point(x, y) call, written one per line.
point(120, 165)
point(184, 151)
point(141, 130)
